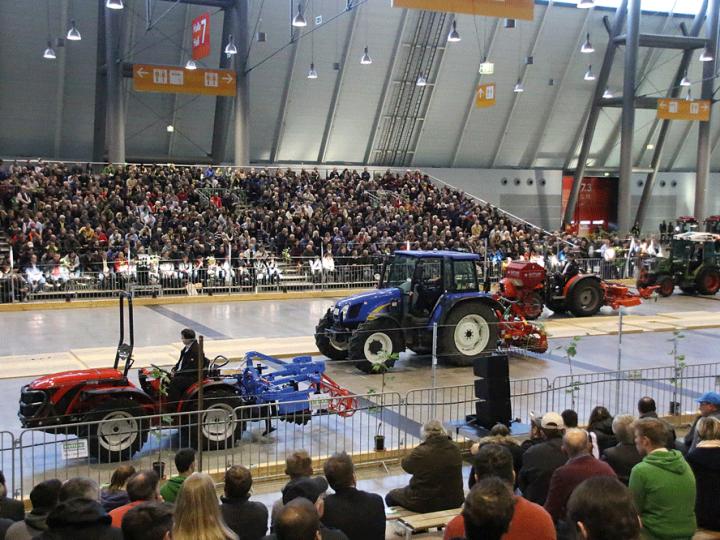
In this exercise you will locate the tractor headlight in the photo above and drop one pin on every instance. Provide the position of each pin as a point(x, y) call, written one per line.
point(344, 311)
point(336, 312)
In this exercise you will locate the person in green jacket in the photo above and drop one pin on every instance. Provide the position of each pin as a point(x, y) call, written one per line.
point(662, 484)
point(185, 465)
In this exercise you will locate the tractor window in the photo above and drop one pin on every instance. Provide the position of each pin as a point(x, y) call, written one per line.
point(464, 277)
point(431, 272)
point(399, 271)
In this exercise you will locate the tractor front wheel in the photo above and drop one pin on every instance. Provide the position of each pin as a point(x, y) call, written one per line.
point(469, 330)
point(708, 281)
point(115, 432)
point(585, 298)
point(373, 343)
point(326, 343)
point(665, 284)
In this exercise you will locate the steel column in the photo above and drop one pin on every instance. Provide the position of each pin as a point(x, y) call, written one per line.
point(594, 114)
point(115, 114)
point(703, 152)
point(223, 104)
point(242, 97)
point(100, 89)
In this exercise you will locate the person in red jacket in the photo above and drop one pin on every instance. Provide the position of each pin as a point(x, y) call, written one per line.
point(581, 465)
point(529, 520)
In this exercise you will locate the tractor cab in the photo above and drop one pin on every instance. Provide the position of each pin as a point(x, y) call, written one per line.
point(685, 224)
point(712, 224)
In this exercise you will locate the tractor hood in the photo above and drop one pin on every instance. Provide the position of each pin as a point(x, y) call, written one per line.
point(66, 378)
point(360, 307)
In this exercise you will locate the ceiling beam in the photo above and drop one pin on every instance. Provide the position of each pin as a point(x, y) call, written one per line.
point(280, 126)
point(208, 3)
point(330, 119)
point(516, 95)
point(60, 90)
point(174, 98)
point(666, 42)
point(471, 102)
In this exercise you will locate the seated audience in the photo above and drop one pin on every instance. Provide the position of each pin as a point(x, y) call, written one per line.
point(705, 463)
point(308, 488)
point(623, 456)
point(600, 424)
point(648, 409)
point(529, 520)
point(580, 466)
point(152, 520)
point(601, 508)
point(708, 405)
point(44, 499)
point(436, 469)
point(488, 510)
point(246, 518)
point(115, 495)
point(9, 507)
point(663, 485)
point(570, 418)
point(298, 465)
point(499, 434)
point(79, 488)
point(185, 465)
point(141, 487)
point(197, 511)
point(541, 460)
point(298, 520)
point(359, 514)
point(79, 518)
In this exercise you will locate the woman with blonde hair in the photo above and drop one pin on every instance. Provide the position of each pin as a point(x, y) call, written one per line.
point(197, 511)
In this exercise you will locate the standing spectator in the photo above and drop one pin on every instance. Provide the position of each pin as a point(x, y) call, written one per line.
point(141, 487)
point(580, 466)
point(246, 518)
point(663, 484)
point(541, 460)
point(34, 275)
point(436, 469)
point(600, 423)
point(709, 405)
point(298, 465)
point(623, 456)
point(44, 499)
point(601, 508)
point(197, 512)
point(114, 495)
point(185, 465)
point(9, 508)
point(488, 510)
point(705, 463)
point(359, 514)
point(529, 520)
point(148, 521)
point(647, 409)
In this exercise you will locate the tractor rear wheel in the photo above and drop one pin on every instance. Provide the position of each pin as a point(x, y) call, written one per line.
point(220, 421)
point(533, 306)
point(372, 344)
point(326, 344)
point(708, 280)
point(585, 298)
point(470, 330)
point(665, 284)
point(116, 432)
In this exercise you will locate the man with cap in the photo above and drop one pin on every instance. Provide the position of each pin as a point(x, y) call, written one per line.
point(185, 371)
point(541, 460)
point(709, 405)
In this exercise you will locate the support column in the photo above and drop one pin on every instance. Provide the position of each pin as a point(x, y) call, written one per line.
point(223, 104)
point(703, 154)
point(242, 97)
point(628, 115)
point(115, 113)
point(100, 89)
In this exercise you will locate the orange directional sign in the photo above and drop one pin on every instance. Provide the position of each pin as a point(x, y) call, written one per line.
point(682, 109)
point(511, 9)
point(485, 95)
point(176, 80)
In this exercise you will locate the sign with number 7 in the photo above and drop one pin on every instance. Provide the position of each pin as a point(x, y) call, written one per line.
point(201, 36)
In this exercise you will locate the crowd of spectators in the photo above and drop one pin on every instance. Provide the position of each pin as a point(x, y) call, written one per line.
point(551, 487)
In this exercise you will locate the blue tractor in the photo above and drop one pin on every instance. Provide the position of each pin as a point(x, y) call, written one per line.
point(416, 290)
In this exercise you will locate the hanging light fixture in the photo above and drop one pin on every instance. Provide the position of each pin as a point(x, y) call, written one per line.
point(607, 94)
point(519, 88)
point(509, 23)
point(585, 4)
point(685, 81)
point(587, 47)
point(190, 64)
point(421, 81)
point(231, 48)
point(706, 55)
point(114, 4)
point(366, 60)
point(454, 36)
point(170, 128)
point(312, 74)
point(49, 53)
point(73, 34)
point(589, 75)
point(299, 19)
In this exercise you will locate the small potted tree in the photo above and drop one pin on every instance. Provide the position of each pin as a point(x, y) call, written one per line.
point(162, 375)
point(382, 368)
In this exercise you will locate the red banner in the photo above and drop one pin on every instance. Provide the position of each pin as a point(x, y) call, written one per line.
point(201, 36)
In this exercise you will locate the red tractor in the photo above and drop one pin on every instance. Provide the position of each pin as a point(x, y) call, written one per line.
point(108, 408)
point(531, 287)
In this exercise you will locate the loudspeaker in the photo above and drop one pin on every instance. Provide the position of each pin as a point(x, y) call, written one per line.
point(494, 366)
point(492, 389)
point(489, 413)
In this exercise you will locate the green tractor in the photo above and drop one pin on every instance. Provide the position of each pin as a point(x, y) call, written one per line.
point(693, 264)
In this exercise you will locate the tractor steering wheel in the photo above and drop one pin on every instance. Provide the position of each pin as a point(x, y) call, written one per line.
point(161, 370)
point(214, 364)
